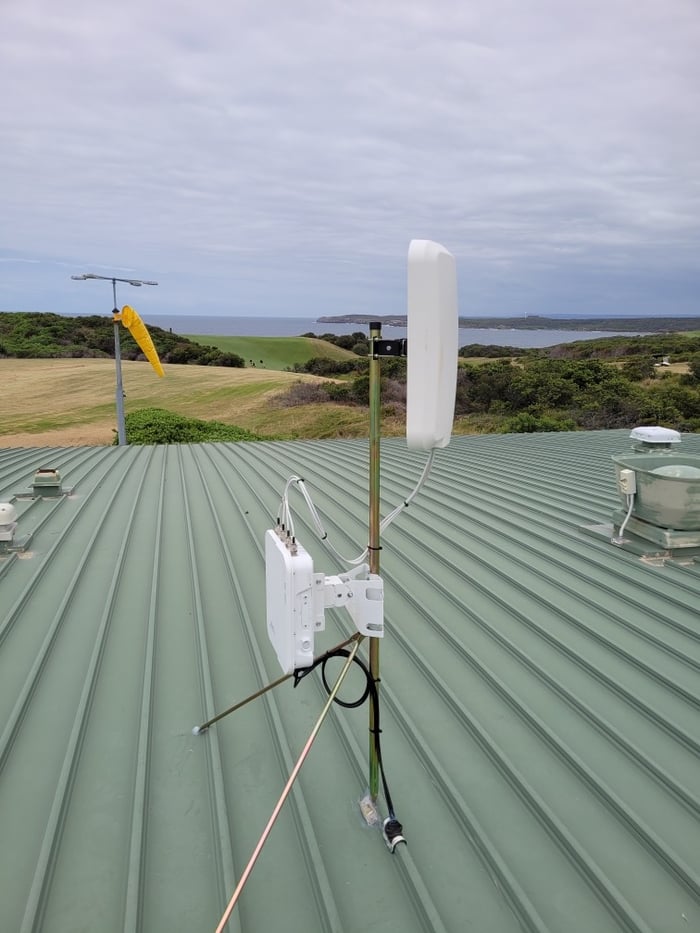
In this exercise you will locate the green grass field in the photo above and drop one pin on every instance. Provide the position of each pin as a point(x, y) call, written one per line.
point(65, 402)
point(278, 353)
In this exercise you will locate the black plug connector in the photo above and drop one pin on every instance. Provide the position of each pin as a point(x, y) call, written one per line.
point(392, 831)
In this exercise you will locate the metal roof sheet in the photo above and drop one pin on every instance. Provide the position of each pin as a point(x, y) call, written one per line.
point(540, 697)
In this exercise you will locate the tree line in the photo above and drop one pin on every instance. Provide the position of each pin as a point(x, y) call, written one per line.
point(534, 391)
point(42, 335)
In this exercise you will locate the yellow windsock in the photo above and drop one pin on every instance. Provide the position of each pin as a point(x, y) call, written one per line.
point(139, 332)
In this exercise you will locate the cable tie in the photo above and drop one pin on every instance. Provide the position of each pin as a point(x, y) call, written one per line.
point(370, 548)
point(300, 673)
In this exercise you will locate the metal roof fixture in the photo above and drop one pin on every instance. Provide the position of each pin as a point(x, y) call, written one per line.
point(660, 492)
point(8, 525)
point(47, 483)
point(653, 437)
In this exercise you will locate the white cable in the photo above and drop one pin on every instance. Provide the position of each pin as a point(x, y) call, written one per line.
point(286, 518)
point(288, 522)
point(618, 538)
point(409, 498)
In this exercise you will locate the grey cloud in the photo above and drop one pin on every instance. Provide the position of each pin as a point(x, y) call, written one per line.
point(278, 141)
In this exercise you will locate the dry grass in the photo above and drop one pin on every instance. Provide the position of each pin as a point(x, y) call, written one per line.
point(71, 402)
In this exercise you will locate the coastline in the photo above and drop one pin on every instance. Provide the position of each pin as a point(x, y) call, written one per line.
point(623, 325)
point(214, 326)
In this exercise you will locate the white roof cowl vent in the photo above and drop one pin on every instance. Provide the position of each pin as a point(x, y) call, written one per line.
point(653, 434)
point(654, 438)
point(8, 521)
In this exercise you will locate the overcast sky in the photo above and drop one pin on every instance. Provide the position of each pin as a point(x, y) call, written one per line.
point(275, 157)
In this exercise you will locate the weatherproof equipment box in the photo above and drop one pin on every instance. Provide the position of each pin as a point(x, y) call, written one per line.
point(290, 584)
point(433, 335)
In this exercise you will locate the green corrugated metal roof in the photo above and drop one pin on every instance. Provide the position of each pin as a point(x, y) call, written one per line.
point(540, 698)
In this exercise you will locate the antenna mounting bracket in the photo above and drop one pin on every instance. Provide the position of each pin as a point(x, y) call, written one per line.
point(362, 594)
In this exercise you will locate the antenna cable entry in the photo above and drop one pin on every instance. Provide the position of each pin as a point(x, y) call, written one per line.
point(285, 521)
point(392, 830)
point(619, 538)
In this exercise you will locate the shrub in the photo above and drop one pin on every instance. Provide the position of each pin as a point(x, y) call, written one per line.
point(359, 390)
point(159, 426)
point(637, 368)
point(394, 392)
point(694, 369)
point(323, 366)
point(303, 393)
point(338, 392)
point(525, 423)
point(358, 339)
point(492, 350)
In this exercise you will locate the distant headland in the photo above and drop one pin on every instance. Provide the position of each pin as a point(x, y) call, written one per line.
point(632, 325)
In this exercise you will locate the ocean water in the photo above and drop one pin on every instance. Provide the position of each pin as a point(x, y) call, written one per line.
point(295, 326)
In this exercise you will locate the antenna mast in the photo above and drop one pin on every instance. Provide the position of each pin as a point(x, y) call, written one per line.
point(375, 333)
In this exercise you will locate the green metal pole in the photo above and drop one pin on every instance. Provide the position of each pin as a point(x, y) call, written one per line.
point(375, 333)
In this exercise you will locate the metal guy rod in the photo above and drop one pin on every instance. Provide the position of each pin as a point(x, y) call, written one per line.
point(287, 788)
point(275, 683)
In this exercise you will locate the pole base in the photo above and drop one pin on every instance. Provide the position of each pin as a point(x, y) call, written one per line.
point(369, 811)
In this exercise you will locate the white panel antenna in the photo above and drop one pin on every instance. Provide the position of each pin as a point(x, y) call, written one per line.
point(433, 335)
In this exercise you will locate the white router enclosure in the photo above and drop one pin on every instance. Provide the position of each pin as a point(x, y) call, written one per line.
point(289, 591)
point(433, 335)
point(297, 598)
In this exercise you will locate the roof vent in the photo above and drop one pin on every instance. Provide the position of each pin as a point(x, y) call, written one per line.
point(660, 492)
point(8, 525)
point(653, 437)
point(47, 483)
